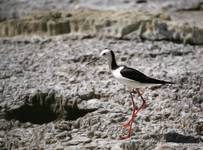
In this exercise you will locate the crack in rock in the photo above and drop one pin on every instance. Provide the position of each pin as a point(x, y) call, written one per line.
point(39, 108)
point(179, 138)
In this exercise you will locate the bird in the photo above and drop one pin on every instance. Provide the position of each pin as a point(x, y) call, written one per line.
point(134, 80)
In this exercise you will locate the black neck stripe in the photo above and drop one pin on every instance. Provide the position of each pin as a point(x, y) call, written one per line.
point(113, 62)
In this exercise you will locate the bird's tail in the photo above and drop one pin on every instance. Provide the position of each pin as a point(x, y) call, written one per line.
point(156, 81)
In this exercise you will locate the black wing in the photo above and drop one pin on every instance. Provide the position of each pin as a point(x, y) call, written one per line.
point(140, 77)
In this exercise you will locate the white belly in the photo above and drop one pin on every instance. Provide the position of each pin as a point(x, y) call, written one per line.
point(127, 82)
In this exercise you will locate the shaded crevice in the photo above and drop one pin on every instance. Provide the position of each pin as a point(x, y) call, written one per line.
point(179, 138)
point(73, 112)
point(33, 114)
point(39, 108)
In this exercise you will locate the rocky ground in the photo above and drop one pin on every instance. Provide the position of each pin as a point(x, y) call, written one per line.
point(50, 98)
point(56, 66)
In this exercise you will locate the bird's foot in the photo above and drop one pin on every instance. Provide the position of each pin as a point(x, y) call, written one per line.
point(123, 137)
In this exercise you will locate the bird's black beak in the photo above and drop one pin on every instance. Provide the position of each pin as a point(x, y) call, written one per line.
point(94, 60)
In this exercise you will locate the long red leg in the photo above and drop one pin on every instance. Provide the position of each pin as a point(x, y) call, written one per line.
point(129, 132)
point(125, 125)
point(143, 101)
point(135, 111)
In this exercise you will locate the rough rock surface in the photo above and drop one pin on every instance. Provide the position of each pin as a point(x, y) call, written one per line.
point(179, 21)
point(50, 99)
point(19, 8)
point(172, 119)
point(115, 24)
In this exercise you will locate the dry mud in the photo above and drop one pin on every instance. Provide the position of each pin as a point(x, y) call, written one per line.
point(68, 105)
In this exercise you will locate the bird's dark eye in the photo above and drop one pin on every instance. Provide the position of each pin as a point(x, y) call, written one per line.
point(104, 54)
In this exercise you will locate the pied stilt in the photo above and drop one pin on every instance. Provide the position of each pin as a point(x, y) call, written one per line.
point(134, 80)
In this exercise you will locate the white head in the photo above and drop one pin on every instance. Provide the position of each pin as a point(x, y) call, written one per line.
point(106, 53)
point(109, 55)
